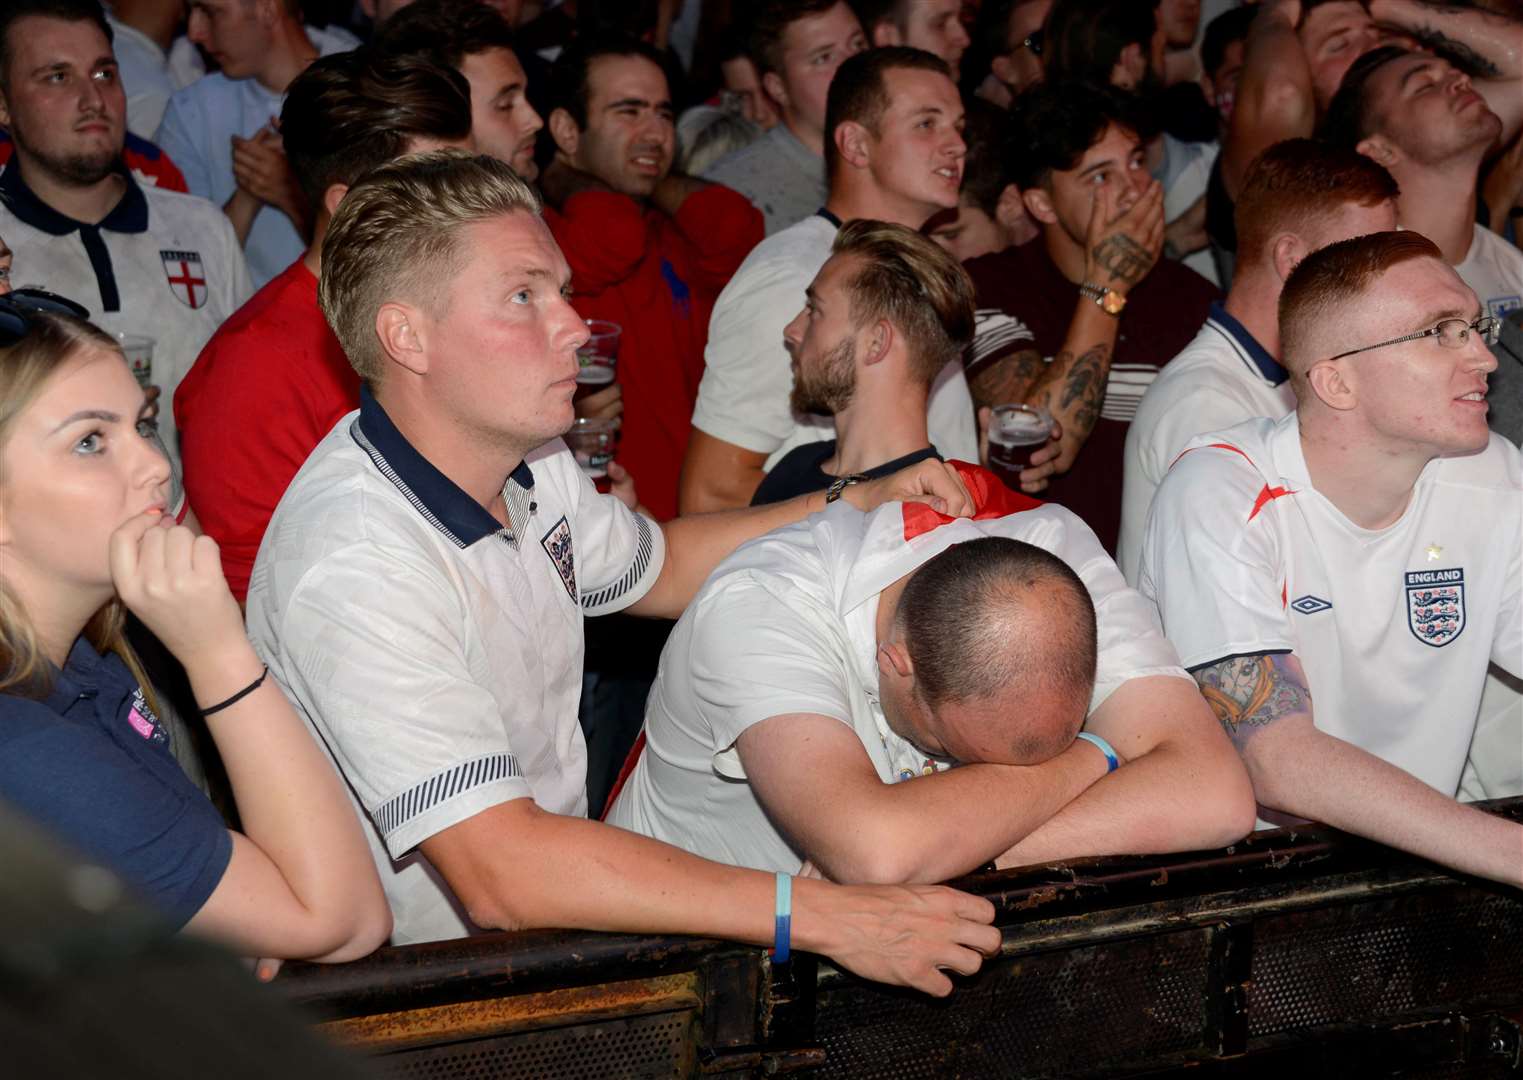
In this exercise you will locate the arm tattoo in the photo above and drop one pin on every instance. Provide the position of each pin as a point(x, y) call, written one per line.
point(1009, 379)
point(1123, 258)
point(1085, 387)
point(1248, 693)
point(1457, 53)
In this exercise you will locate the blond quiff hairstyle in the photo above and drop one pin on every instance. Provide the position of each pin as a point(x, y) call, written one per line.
point(396, 236)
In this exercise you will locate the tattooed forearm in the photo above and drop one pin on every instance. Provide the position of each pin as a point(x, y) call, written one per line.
point(1248, 693)
point(1008, 380)
point(1457, 53)
point(1123, 258)
point(1084, 390)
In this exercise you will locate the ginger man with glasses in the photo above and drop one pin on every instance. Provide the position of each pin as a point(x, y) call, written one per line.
point(1337, 581)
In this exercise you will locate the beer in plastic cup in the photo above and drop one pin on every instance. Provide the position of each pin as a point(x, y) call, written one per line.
point(592, 441)
point(598, 359)
point(138, 350)
point(1015, 433)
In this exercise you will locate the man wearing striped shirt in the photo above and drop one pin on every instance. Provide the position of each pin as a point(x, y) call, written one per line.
point(1081, 319)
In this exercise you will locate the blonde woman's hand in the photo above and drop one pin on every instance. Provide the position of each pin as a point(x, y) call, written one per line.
point(172, 580)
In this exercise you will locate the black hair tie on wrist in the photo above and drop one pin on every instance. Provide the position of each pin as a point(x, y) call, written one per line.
point(240, 695)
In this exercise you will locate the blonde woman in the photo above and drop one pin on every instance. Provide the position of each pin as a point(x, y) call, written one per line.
point(84, 537)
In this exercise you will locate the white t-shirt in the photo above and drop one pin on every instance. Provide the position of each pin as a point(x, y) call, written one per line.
point(1493, 268)
point(787, 625)
point(437, 654)
point(162, 264)
point(1222, 378)
point(145, 77)
point(1394, 628)
point(743, 398)
point(196, 132)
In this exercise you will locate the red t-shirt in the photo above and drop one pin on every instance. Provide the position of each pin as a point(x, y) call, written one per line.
point(267, 387)
point(1163, 314)
point(657, 277)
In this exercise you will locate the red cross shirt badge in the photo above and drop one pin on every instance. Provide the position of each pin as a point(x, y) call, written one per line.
point(186, 278)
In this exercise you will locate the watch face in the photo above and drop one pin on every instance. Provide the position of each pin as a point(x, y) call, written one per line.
point(1113, 302)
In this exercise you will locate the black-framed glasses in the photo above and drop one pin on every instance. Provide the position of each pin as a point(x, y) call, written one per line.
point(1032, 41)
point(18, 306)
point(1451, 334)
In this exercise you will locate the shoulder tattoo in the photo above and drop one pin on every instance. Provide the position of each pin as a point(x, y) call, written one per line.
point(1248, 693)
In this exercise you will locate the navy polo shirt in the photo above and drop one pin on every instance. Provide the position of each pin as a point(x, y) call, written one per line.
point(91, 763)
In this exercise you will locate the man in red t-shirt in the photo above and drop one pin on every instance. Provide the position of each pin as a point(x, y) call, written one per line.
point(1081, 319)
point(649, 249)
point(273, 380)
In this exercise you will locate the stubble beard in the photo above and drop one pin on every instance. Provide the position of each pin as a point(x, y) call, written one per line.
point(77, 169)
point(828, 388)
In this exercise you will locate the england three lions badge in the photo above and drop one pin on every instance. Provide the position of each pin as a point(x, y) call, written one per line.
point(1436, 605)
point(557, 544)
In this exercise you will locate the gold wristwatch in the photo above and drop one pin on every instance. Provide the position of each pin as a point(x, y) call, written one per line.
point(1108, 300)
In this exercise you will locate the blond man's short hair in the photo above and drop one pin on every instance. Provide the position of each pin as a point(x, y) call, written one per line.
point(912, 282)
point(396, 236)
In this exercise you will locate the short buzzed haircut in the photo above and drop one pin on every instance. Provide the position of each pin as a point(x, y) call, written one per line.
point(1349, 120)
point(11, 11)
point(1327, 282)
point(1231, 25)
point(770, 21)
point(446, 30)
point(350, 112)
point(972, 628)
point(1299, 182)
point(1053, 125)
point(910, 281)
point(859, 91)
point(396, 236)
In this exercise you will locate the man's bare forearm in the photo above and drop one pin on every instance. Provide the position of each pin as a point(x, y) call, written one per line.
point(1484, 43)
point(1182, 786)
point(1275, 98)
point(1264, 704)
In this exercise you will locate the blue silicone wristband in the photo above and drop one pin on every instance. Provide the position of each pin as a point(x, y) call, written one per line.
point(784, 932)
point(1111, 760)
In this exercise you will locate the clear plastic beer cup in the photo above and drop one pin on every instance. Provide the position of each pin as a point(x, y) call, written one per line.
point(1015, 433)
point(598, 358)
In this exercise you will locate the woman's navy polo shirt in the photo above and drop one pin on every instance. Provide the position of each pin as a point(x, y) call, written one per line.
point(91, 763)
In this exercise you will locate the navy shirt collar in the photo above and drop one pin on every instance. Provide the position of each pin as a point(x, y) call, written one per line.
point(829, 216)
point(438, 498)
point(82, 676)
point(130, 215)
point(1268, 366)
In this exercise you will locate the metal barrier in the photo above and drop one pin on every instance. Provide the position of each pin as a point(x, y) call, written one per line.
point(1297, 953)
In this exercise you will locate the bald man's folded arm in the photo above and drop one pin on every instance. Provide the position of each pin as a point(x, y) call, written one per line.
point(1181, 786)
point(815, 780)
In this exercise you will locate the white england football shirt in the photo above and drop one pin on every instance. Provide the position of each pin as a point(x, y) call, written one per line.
point(787, 625)
point(1222, 378)
point(1493, 269)
point(747, 377)
point(437, 654)
point(1394, 627)
point(161, 264)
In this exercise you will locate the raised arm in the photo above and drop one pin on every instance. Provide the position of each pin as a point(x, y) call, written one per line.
point(1276, 99)
point(300, 882)
point(1181, 787)
point(816, 782)
point(1485, 43)
point(1265, 707)
point(1119, 252)
point(516, 866)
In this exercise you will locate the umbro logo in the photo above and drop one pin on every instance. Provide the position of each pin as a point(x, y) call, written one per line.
point(1309, 604)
